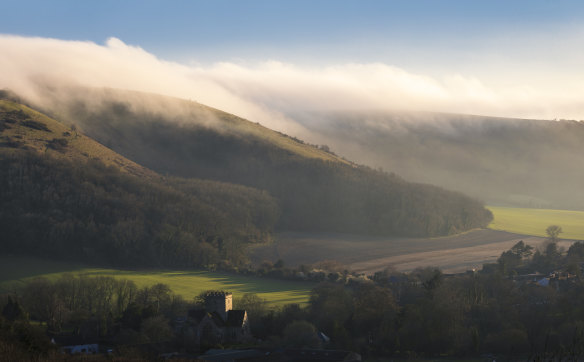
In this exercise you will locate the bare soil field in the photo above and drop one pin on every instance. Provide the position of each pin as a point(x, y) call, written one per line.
point(368, 254)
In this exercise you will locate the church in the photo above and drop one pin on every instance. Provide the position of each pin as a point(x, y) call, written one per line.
point(218, 322)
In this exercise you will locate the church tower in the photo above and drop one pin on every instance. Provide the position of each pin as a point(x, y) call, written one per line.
point(219, 302)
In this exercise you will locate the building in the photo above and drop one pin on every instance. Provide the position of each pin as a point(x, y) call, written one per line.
point(218, 322)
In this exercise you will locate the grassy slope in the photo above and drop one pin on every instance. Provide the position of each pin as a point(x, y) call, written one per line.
point(238, 124)
point(128, 104)
point(535, 221)
point(15, 271)
point(79, 146)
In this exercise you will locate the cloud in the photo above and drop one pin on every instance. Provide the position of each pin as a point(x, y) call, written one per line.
point(268, 92)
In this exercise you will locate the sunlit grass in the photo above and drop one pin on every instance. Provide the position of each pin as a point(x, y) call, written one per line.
point(79, 146)
point(535, 221)
point(16, 271)
point(282, 141)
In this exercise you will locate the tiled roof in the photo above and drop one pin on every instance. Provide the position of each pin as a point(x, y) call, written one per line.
point(197, 314)
point(235, 318)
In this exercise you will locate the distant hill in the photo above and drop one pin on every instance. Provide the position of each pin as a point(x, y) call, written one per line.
point(316, 190)
point(66, 196)
point(504, 161)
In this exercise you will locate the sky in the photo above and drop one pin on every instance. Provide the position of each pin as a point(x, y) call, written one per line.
point(265, 59)
point(302, 31)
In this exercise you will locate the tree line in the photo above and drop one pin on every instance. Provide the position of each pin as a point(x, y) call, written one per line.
point(527, 305)
point(424, 314)
point(87, 309)
point(91, 212)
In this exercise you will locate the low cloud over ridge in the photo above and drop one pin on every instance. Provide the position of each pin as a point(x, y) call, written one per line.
point(270, 91)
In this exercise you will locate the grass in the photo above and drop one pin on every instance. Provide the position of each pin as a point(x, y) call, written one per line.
point(16, 271)
point(535, 221)
point(278, 139)
point(78, 145)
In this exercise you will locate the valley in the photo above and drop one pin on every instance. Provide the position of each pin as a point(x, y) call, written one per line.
point(291, 181)
point(314, 205)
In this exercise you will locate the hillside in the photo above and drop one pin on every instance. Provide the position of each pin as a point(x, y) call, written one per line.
point(316, 190)
point(24, 128)
point(506, 162)
point(63, 195)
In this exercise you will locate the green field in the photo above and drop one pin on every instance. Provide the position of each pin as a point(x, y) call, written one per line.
point(535, 221)
point(15, 271)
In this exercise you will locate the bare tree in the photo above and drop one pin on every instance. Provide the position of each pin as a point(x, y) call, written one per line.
point(553, 232)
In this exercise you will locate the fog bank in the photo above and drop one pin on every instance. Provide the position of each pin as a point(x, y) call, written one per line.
point(269, 92)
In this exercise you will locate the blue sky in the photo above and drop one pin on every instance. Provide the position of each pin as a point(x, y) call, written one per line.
point(302, 31)
point(261, 59)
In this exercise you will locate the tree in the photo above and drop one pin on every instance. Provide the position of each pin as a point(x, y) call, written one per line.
point(514, 257)
point(160, 294)
point(330, 303)
point(13, 310)
point(156, 329)
point(576, 251)
point(256, 308)
point(301, 334)
point(553, 232)
point(430, 277)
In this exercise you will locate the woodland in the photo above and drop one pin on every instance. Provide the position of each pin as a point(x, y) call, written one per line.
point(495, 312)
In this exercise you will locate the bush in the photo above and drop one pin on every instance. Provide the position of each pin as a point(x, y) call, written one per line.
point(35, 125)
point(58, 144)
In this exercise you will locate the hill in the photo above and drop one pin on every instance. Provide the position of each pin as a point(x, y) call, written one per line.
point(316, 190)
point(66, 196)
point(25, 128)
point(504, 161)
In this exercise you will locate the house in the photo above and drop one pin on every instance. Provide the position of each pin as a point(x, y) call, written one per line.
point(218, 322)
point(81, 349)
point(79, 344)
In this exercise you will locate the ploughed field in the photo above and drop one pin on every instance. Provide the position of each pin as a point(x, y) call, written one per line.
point(16, 270)
point(452, 254)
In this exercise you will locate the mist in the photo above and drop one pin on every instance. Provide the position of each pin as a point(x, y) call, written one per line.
point(270, 92)
point(502, 161)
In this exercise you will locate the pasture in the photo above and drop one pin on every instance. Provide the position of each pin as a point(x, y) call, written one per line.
point(16, 270)
point(535, 221)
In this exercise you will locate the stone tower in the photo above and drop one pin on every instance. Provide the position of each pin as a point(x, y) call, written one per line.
point(219, 302)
